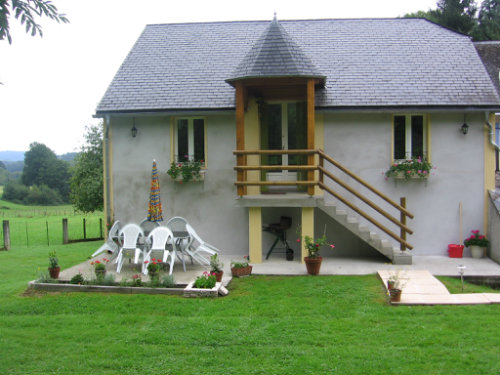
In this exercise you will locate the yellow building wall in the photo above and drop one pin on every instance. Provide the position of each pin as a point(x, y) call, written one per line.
point(489, 169)
point(307, 228)
point(255, 234)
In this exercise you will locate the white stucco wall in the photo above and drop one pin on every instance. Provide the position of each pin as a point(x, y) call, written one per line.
point(362, 142)
point(208, 206)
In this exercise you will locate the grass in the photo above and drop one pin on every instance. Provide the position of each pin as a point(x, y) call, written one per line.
point(42, 225)
point(267, 325)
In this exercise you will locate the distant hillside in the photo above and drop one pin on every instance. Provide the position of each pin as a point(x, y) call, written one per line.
point(11, 155)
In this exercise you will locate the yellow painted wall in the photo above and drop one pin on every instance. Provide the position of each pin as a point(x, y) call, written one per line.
point(489, 168)
point(307, 227)
point(108, 169)
point(255, 234)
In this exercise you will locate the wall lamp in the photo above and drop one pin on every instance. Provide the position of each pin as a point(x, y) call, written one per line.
point(465, 127)
point(134, 129)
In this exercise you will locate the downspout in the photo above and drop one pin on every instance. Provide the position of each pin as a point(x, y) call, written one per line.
point(107, 172)
point(492, 139)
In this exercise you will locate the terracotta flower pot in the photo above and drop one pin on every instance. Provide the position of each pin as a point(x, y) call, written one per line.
point(241, 271)
point(395, 295)
point(54, 272)
point(218, 276)
point(313, 265)
point(390, 284)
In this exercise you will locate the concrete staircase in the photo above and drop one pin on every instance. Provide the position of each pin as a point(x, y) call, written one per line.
point(373, 239)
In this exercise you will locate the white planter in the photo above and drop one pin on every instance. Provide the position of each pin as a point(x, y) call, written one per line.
point(477, 251)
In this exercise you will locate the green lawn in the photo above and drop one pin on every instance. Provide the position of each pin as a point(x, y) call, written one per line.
point(267, 325)
point(42, 225)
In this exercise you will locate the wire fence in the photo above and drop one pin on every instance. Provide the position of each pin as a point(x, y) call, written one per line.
point(51, 232)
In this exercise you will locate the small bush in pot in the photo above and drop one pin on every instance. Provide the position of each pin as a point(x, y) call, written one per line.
point(54, 268)
point(313, 259)
point(216, 267)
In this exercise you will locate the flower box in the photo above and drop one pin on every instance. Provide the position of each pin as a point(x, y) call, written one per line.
point(241, 271)
point(401, 176)
point(199, 178)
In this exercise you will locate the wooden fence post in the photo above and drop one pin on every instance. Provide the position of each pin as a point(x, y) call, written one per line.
point(65, 231)
point(403, 221)
point(6, 235)
point(100, 228)
point(84, 229)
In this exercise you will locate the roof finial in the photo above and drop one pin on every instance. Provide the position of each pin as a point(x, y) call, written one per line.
point(274, 18)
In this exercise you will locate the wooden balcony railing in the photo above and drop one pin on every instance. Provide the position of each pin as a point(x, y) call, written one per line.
point(242, 182)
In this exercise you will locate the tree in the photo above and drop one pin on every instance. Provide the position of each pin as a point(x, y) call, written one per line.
point(41, 167)
point(458, 15)
point(26, 11)
point(488, 27)
point(87, 181)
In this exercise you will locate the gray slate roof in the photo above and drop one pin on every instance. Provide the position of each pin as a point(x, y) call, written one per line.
point(368, 63)
point(490, 54)
point(275, 54)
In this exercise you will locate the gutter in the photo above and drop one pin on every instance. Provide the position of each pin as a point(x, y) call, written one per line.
point(492, 138)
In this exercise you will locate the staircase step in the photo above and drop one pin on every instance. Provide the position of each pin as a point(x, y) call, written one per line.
point(352, 224)
point(372, 238)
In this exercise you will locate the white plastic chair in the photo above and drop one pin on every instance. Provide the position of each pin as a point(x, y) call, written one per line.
point(111, 244)
point(148, 226)
point(178, 227)
point(130, 234)
point(160, 246)
point(197, 249)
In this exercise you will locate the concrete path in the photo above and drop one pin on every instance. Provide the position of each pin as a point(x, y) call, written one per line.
point(421, 288)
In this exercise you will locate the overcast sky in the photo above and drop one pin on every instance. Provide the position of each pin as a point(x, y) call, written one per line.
point(51, 85)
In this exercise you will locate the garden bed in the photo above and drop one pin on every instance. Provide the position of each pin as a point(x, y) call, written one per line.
point(63, 286)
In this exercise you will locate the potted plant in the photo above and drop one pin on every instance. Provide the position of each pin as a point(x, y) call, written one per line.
point(186, 171)
point(477, 244)
point(216, 267)
point(407, 169)
point(313, 259)
point(239, 269)
point(153, 267)
point(395, 284)
point(54, 268)
point(100, 267)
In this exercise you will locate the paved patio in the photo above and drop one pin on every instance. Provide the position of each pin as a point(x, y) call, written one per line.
point(277, 265)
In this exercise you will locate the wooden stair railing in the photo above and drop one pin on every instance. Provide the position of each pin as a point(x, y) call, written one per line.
point(404, 213)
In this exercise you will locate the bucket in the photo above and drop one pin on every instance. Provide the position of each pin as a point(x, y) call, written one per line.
point(455, 251)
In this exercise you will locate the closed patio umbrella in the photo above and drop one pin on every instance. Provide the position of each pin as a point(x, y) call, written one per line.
point(155, 212)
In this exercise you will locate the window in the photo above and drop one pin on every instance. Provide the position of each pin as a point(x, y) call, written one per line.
point(190, 139)
point(410, 137)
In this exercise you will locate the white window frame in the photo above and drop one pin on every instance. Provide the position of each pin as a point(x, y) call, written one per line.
point(408, 147)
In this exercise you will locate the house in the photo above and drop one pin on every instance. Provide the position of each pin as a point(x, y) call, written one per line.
point(489, 51)
point(301, 119)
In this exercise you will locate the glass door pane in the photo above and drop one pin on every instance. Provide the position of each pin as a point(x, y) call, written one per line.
point(274, 132)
